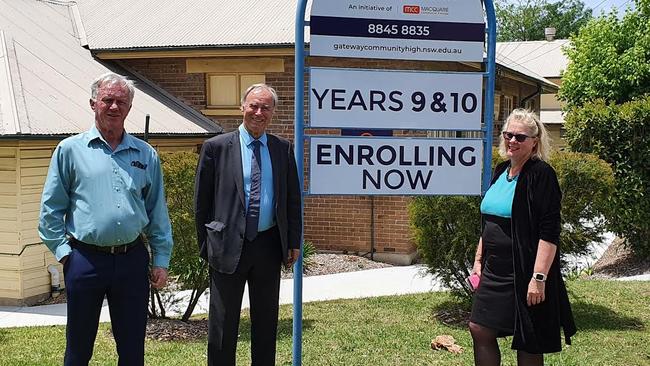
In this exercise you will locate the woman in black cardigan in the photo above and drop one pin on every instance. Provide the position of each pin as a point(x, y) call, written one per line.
point(521, 291)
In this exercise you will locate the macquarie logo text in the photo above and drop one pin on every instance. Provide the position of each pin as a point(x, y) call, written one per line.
point(417, 9)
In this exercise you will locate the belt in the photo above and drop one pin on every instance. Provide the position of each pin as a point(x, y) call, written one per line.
point(115, 249)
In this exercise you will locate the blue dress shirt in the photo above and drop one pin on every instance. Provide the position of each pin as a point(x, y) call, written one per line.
point(105, 197)
point(267, 200)
point(498, 198)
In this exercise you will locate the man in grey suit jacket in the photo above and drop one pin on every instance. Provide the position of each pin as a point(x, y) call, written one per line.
point(249, 222)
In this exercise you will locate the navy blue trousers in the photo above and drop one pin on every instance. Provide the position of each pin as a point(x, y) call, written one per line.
point(124, 280)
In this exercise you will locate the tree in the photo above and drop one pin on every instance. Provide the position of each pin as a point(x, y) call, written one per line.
point(186, 266)
point(525, 20)
point(618, 134)
point(606, 88)
point(610, 59)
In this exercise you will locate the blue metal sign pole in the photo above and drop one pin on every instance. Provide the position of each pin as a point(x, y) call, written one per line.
point(299, 142)
point(299, 112)
point(489, 94)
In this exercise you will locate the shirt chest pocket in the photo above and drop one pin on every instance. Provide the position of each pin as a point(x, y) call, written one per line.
point(135, 181)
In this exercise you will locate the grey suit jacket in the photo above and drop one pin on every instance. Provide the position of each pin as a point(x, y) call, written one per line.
point(219, 199)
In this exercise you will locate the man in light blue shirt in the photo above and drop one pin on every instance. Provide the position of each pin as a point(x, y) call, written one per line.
point(104, 188)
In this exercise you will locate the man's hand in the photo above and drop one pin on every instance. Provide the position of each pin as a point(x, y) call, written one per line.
point(293, 255)
point(158, 277)
point(64, 259)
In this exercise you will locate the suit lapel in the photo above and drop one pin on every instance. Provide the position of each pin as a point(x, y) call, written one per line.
point(275, 153)
point(236, 165)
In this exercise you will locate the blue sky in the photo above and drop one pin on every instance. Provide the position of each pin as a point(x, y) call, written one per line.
point(606, 5)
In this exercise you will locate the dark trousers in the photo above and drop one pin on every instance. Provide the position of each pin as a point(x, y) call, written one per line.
point(259, 265)
point(124, 280)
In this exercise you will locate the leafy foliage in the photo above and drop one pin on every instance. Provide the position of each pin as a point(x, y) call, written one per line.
point(586, 183)
point(308, 251)
point(607, 90)
point(447, 228)
point(179, 169)
point(609, 59)
point(525, 20)
point(619, 135)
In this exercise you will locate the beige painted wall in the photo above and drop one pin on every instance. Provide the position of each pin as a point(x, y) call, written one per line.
point(24, 278)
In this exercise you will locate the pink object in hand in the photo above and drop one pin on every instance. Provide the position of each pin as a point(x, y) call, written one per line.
point(473, 281)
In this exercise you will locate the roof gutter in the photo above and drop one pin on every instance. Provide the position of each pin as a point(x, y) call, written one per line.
point(207, 123)
point(523, 101)
point(202, 51)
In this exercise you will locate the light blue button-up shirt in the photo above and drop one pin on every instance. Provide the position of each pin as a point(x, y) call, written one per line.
point(105, 197)
point(267, 200)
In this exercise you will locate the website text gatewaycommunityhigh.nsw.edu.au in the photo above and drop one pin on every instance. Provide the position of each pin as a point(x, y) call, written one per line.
point(400, 49)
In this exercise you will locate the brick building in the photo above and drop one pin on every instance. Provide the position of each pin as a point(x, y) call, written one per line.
point(208, 66)
point(195, 61)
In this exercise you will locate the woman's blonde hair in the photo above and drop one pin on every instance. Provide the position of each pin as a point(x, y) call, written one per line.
point(542, 149)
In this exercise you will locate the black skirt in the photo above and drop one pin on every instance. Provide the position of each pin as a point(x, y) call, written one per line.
point(493, 304)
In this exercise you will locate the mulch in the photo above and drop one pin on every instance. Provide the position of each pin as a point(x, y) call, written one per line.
point(177, 330)
point(618, 261)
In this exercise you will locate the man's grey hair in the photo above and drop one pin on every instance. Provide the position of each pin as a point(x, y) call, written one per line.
point(111, 78)
point(256, 87)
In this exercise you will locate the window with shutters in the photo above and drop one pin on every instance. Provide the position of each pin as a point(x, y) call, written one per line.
point(224, 90)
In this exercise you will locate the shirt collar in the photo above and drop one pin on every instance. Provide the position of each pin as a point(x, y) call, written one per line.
point(127, 140)
point(247, 138)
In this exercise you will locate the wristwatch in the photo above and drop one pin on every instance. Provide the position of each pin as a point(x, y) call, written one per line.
point(539, 277)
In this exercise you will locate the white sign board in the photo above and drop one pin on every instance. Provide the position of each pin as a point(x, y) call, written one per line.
point(383, 99)
point(441, 30)
point(394, 166)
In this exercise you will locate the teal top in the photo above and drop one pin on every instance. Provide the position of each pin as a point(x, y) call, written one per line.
point(498, 198)
point(105, 197)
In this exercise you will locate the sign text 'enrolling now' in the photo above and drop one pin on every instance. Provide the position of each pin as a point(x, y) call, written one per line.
point(395, 166)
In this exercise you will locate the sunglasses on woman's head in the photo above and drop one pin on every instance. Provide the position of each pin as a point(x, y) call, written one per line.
point(520, 137)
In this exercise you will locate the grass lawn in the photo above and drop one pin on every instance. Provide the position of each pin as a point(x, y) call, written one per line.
point(612, 317)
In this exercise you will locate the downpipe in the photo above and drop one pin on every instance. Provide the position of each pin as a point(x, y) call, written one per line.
point(55, 280)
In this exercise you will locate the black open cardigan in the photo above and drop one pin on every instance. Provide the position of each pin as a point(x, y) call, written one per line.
point(535, 216)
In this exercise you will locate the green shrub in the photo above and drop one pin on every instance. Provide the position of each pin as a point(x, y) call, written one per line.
point(447, 228)
point(308, 251)
point(179, 169)
point(586, 183)
point(619, 135)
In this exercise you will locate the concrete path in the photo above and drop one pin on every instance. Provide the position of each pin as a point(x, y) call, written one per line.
point(396, 280)
point(374, 282)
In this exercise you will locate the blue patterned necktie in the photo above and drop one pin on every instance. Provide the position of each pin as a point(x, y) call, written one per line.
point(253, 212)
